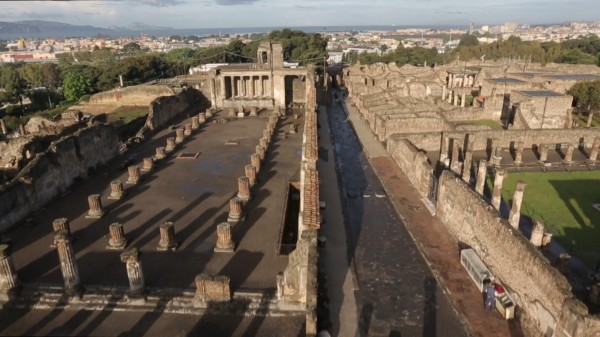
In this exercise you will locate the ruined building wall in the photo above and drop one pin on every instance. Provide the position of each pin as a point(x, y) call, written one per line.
point(164, 108)
point(540, 291)
point(386, 126)
point(412, 162)
point(53, 171)
point(543, 112)
point(530, 138)
point(134, 95)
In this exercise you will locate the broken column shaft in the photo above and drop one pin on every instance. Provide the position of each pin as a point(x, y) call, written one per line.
point(481, 176)
point(537, 233)
point(201, 118)
point(235, 210)
point(514, 215)
point(195, 123)
point(134, 175)
point(594, 151)
point(250, 171)
point(9, 282)
point(167, 237)
point(543, 148)
point(179, 136)
point(497, 193)
point(68, 264)
point(569, 154)
point(117, 236)
point(135, 274)
point(116, 190)
point(95, 211)
point(148, 164)
point(255, 161)
point(224, 242)
point(170, 144)
point(519, 153)
point(243, 189)
point(188, 130)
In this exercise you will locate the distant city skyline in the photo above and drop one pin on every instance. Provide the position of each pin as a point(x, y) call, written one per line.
point(182, 14)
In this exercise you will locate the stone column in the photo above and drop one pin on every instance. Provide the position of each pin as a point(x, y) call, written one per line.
point(481, 176)
point(455, 98)
point(61, 224)
point(260, 151)
point(443, 91)
point(160, 153)
point(68, 264)
point(250, 171)
point(463, 99)
point(201, 118)
point(253, 111)
point(243, 189)
point(450, 93)
point(170, 144)
point(187, 131)
point(266, 134)
point(232, 86)
point(273, 119)
point(231, 112)
point(240, 113)
point(543, 149)
point(22, 130)
point(148, 164)
point(263, 142)
point(569, 154)
point(224, 242)
point(514, 216)
point(9, 282)
point(537, 233)
point(564, 262)
point(519, 153)
point(594, 151)
point(444, 149)
point(167, 237)
point(117, 238)
point(208, 113)
point(497, 156)
point(195, 123)
point(95, 211)
point(223, 87)
point(3, 126)
point(252, 90)
point(497, 193)
point(455, 162)
point(179, 136)
point(134, 175)
point(590, 119)
point(135, 274)
point(116, 190)
point(255, 161)
point(468, 158)
point(235, 210)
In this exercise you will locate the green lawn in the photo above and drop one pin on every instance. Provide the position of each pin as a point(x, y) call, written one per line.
point(584, 118)
point(487, 122)
point(125, 114)
point(564, 201)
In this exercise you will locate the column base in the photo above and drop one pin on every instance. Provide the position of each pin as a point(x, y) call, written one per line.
point(179, 140)
point(567, 162)
point(169, 149)
point(187, 134)
point(245, 199)
point(224, 249)
point(146, 170)
point(116, 196)
point(75, 295)
point(172, 247)
point(133, 181)
point(117, 246)
point(94, 215)
point(136, 299)
point(233, 220)
point(10, 295)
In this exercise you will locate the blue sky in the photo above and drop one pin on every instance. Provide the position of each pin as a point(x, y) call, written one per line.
point(261, 13)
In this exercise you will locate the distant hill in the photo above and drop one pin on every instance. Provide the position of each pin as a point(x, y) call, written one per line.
point(44, 29)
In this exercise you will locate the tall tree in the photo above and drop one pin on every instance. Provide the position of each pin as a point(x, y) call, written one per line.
point(75, 86)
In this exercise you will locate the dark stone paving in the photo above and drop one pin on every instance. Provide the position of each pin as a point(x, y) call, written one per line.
point(397, 294)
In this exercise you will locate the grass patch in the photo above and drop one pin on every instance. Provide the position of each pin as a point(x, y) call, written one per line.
point(125, 114)
point(564, 201)
point(486, 122)
point(583, 118)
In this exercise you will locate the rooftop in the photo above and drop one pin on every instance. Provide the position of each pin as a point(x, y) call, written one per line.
point(541, 93)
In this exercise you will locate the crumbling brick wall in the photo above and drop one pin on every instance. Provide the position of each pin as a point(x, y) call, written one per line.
point(412, 162)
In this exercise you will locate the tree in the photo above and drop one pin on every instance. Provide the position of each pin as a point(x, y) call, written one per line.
point(131, 48)
point(586, 95)
point(384, 48)
point(14, 85)
point(468, 41)
point(76, 86)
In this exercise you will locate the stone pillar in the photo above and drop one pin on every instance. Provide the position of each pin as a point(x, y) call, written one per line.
point(201, 118)
point(179, 136)
point(235, 210)
point(590, 119)
point(260, 151)
point(263, 142)
point(22, 131)
point(134, 175)
point(569, 154)
point(450, 93)
point(61, 224)
point(160, 153)
point(455, 162)
point(444, 92)
point(167, 237)
point(213, 289)
point(594, 151)
point(208, 113)
point(116, 190)
point(255, 161)
point(543, 148)
point(223, 88)
point(519, 153)
point(273, 119)
point(3, 126)
point(497, 193)
point(170, 144)
point(250, 171)
point(95, 211)
point(253, 111)
point(444, 149)
point(497, 156)
point(240, 113)
point(231, 112)
point(252, 93)
point(243, 189)
point(232, 86)
point(514, 215)
point(463, 99)
point(481, 176)
point(148, 164)
point(9, 282)
point(537, 233)
point(68, 265)
point(117, 238)
point(266, 134)
point(455, 98)
point(224, 242)
point(187, 131)
point(135, 274)
point(468, 158)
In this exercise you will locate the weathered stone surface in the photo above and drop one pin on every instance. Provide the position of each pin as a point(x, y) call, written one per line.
point(211, 289)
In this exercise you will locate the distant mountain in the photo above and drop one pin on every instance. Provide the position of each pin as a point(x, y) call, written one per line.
point(44, 29)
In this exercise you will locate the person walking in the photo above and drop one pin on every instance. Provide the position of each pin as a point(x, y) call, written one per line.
point(490, 297)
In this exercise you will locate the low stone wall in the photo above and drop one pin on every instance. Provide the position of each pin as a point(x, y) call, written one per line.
point(412, 162)
point(165, 108)
point(542, 294)
point(53, 171)
point(134, 95)
point(386, 126)
point(466, 114)
point(530, 138)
